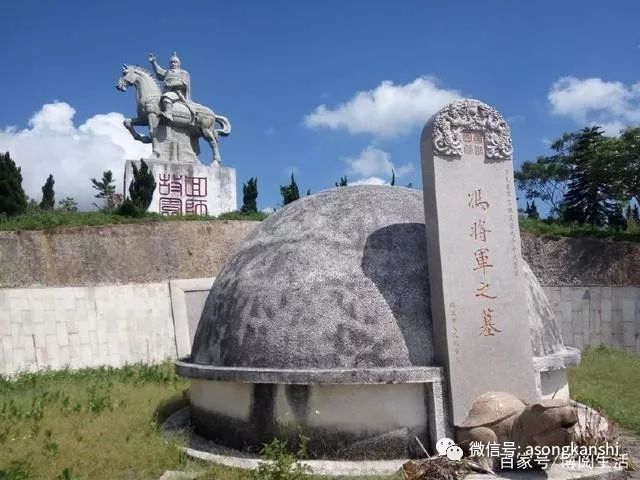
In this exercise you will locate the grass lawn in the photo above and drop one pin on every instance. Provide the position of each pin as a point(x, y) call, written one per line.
point(55, 219)
point(609, 380)
point(557, 230)
point(94, 424)
point(102, 423)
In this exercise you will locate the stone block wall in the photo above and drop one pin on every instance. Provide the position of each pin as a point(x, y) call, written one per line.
point(595, 315)
point(116, 324)
point(55, 327)
point(84, 326)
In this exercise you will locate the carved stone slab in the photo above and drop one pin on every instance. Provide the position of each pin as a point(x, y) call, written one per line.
point(188, 189)
point(478, 296)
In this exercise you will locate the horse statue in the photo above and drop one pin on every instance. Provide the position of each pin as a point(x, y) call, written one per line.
point(192, 118)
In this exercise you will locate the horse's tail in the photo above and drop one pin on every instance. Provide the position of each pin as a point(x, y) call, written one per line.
point(225, 123)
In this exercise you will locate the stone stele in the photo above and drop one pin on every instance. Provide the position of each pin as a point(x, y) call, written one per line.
point(478, 297)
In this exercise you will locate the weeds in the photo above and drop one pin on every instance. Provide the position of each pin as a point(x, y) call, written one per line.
point(87, 424)
point(281, 464)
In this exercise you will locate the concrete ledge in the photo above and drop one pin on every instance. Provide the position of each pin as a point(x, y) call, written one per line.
point(215, 453)
point(557, 361)
point(318, 376)
point(391, 467)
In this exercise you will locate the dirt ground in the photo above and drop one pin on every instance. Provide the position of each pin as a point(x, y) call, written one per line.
point(582, 261)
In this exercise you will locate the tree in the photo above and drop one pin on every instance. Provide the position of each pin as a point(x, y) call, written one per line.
point(590, 196)
point(289, 192)
point(532, 211)
point(616, 219)
point(249, 196)
point(393, 177)
point(629, 163)
point(48, 195)
point(106, 190)
point(343, 182)
point(142, 186)
point(68, 204)
point(308, 192)
point(13, 200)
point(546, 178)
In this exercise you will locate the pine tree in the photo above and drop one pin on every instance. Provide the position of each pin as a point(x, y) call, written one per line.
point(48, 195)
point(616, 219)
point(106, 189)
point(249, 196)
point(68, 204)
point(532, 210)
point(589, 198)
point(13, 200)
point(343, 182)
point(142, 186)
point(290, 192)
point(308, 192)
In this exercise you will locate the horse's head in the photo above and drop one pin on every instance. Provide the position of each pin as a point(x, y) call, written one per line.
point(128, 77)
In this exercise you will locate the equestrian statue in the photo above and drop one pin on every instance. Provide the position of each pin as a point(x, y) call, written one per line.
point(175, 121)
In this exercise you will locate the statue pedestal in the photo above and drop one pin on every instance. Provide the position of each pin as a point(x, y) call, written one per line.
point(188, 188)
point(177, 144)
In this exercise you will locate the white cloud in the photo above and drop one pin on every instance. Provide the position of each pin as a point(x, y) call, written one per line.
point(611, 104)
point(53, 144)
point(369, 181)
point(386, 111)
point(373, 163)
point(613, 127)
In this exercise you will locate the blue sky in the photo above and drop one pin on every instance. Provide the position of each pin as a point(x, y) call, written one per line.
point(380, 69)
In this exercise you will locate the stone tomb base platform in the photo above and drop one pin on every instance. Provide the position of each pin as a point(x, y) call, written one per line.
point(209, 451)
point(188, 188)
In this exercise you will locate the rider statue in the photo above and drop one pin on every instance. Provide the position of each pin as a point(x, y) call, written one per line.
point(177, 85)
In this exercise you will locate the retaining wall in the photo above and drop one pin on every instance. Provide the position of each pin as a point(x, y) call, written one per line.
point(595, 315)
point(134, 293)
point(103, 325)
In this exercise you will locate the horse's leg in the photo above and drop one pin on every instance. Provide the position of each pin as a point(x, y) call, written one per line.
point(154, 120)
point(130, 123)
point(212, 139)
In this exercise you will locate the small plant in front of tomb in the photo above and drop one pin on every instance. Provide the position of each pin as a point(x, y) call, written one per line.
point(596, 435)
point(279, 463)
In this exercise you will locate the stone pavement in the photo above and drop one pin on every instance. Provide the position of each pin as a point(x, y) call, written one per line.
point(632, 444)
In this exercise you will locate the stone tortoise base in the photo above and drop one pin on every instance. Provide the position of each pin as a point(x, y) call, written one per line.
point(202, 449)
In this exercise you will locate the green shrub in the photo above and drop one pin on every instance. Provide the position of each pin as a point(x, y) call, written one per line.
point(281, 464)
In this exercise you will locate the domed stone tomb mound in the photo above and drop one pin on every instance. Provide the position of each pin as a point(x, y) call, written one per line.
point(320, 325)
